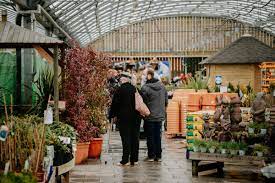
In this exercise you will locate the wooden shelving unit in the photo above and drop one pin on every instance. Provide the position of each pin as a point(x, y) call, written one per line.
point(267, 75)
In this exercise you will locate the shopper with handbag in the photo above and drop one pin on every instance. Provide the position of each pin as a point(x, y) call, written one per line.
point(155, 97)
point(123, 108)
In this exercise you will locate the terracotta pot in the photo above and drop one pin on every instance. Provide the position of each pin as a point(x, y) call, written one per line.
point(82, 152)
point(95, 148)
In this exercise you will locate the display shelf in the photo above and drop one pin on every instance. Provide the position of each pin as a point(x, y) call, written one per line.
point(216, 161)
point(267, 75)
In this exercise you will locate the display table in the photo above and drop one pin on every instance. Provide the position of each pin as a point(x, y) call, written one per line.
point(216, 161)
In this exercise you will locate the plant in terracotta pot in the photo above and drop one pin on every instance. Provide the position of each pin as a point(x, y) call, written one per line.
point(85, 94)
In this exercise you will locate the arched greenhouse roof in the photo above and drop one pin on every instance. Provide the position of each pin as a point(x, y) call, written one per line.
point(86, 20)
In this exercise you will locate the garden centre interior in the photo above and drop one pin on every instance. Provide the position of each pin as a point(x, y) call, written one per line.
point(64, 62)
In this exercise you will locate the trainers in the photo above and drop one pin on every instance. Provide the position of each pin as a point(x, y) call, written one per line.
point(158, 159)
point(149, 159)
point(120, 164)
point(135, 163)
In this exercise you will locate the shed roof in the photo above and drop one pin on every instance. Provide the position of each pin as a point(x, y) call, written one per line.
point(14, 36)
point(245, 50)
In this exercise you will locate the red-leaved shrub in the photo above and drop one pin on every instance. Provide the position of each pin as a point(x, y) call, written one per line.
point(85, 90)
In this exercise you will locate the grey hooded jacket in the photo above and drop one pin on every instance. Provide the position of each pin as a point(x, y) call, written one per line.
point(155, 97)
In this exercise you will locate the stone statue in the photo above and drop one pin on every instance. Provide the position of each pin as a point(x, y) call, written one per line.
point(258, 108)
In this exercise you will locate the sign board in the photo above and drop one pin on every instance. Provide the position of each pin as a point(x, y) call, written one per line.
point(218, 80)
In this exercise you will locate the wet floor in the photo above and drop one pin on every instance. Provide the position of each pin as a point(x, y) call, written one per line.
point(173, 169)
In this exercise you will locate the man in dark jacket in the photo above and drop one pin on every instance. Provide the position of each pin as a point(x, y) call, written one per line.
point(155, 97)
point(123, 107)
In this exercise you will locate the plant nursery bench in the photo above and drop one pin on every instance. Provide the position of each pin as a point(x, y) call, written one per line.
point(216, 161)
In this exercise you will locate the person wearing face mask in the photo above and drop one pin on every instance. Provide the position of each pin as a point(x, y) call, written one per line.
point(155, 97)
point(123, 108)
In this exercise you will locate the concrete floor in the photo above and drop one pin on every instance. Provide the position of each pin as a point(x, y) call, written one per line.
point(173, 169)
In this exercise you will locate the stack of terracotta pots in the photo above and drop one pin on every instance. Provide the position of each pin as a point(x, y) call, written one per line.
point(173, 117)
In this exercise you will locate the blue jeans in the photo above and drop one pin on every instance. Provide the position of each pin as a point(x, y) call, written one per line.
point(153, 134)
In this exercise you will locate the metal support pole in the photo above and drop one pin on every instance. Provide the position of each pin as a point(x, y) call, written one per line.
point(56, 86)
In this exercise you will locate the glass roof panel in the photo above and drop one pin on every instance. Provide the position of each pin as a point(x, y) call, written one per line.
point(88, 19)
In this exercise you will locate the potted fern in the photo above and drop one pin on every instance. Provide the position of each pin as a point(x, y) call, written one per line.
point(203, 146)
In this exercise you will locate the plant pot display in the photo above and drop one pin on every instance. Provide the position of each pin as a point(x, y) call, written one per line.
point(260, 150)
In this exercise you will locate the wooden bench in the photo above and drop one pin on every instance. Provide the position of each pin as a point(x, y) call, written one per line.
point(216, 161)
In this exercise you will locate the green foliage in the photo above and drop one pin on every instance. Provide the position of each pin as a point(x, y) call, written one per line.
point(203, 143)
point(43, 87)
point(57, 129)
point(242, 146)
point(17, 178)
point(212, 144)
point(196, 83)
point(230, 88)
point(224, 145)
point(197, 142)
point(260, 148)
point(233, 145)
point(259, 126)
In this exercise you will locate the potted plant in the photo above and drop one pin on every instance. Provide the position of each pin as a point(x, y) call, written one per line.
point(242, 148)
point(196, 145)
point(260, 150)
point(252, 127)
point(95, 147)
point(212, 146)
point(85, 93)
point(203, 146)
point(223, 147)
point(263, 128)
point(233, 148)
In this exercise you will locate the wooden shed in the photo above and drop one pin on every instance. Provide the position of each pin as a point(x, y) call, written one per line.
point(239, 62)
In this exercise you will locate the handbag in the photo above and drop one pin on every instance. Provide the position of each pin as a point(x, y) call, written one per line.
point(141, 106)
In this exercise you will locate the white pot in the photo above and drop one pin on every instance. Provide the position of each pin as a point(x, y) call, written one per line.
point(212, 150)
point(241, 152)
point(223, 151)
point(233, 152)
point(260, 154)
point(250, 130)
point(203, 149)
point(263, 131)
point(196, 149)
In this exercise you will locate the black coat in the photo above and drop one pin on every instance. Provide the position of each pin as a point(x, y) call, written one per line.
point(123, 103)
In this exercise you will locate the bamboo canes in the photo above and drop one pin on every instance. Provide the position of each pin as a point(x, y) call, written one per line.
point(8, 149)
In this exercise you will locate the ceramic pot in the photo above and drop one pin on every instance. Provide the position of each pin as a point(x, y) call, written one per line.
point(251, 130)
point(82, 152)
point(260, 154)
point(241, 152)
point(196, 149)
point(203, 149)
point(223, 151)
point(233, 152)
point(263, 131)
point(95, 148)
point(212, 150)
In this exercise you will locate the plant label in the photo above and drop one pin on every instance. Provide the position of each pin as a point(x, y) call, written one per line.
point(65, 140)
point(48, 116)
point(7, 166)
point(4, 131)
point(26, 165)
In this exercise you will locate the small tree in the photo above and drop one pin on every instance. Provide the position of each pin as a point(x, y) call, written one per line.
point(84, 88)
